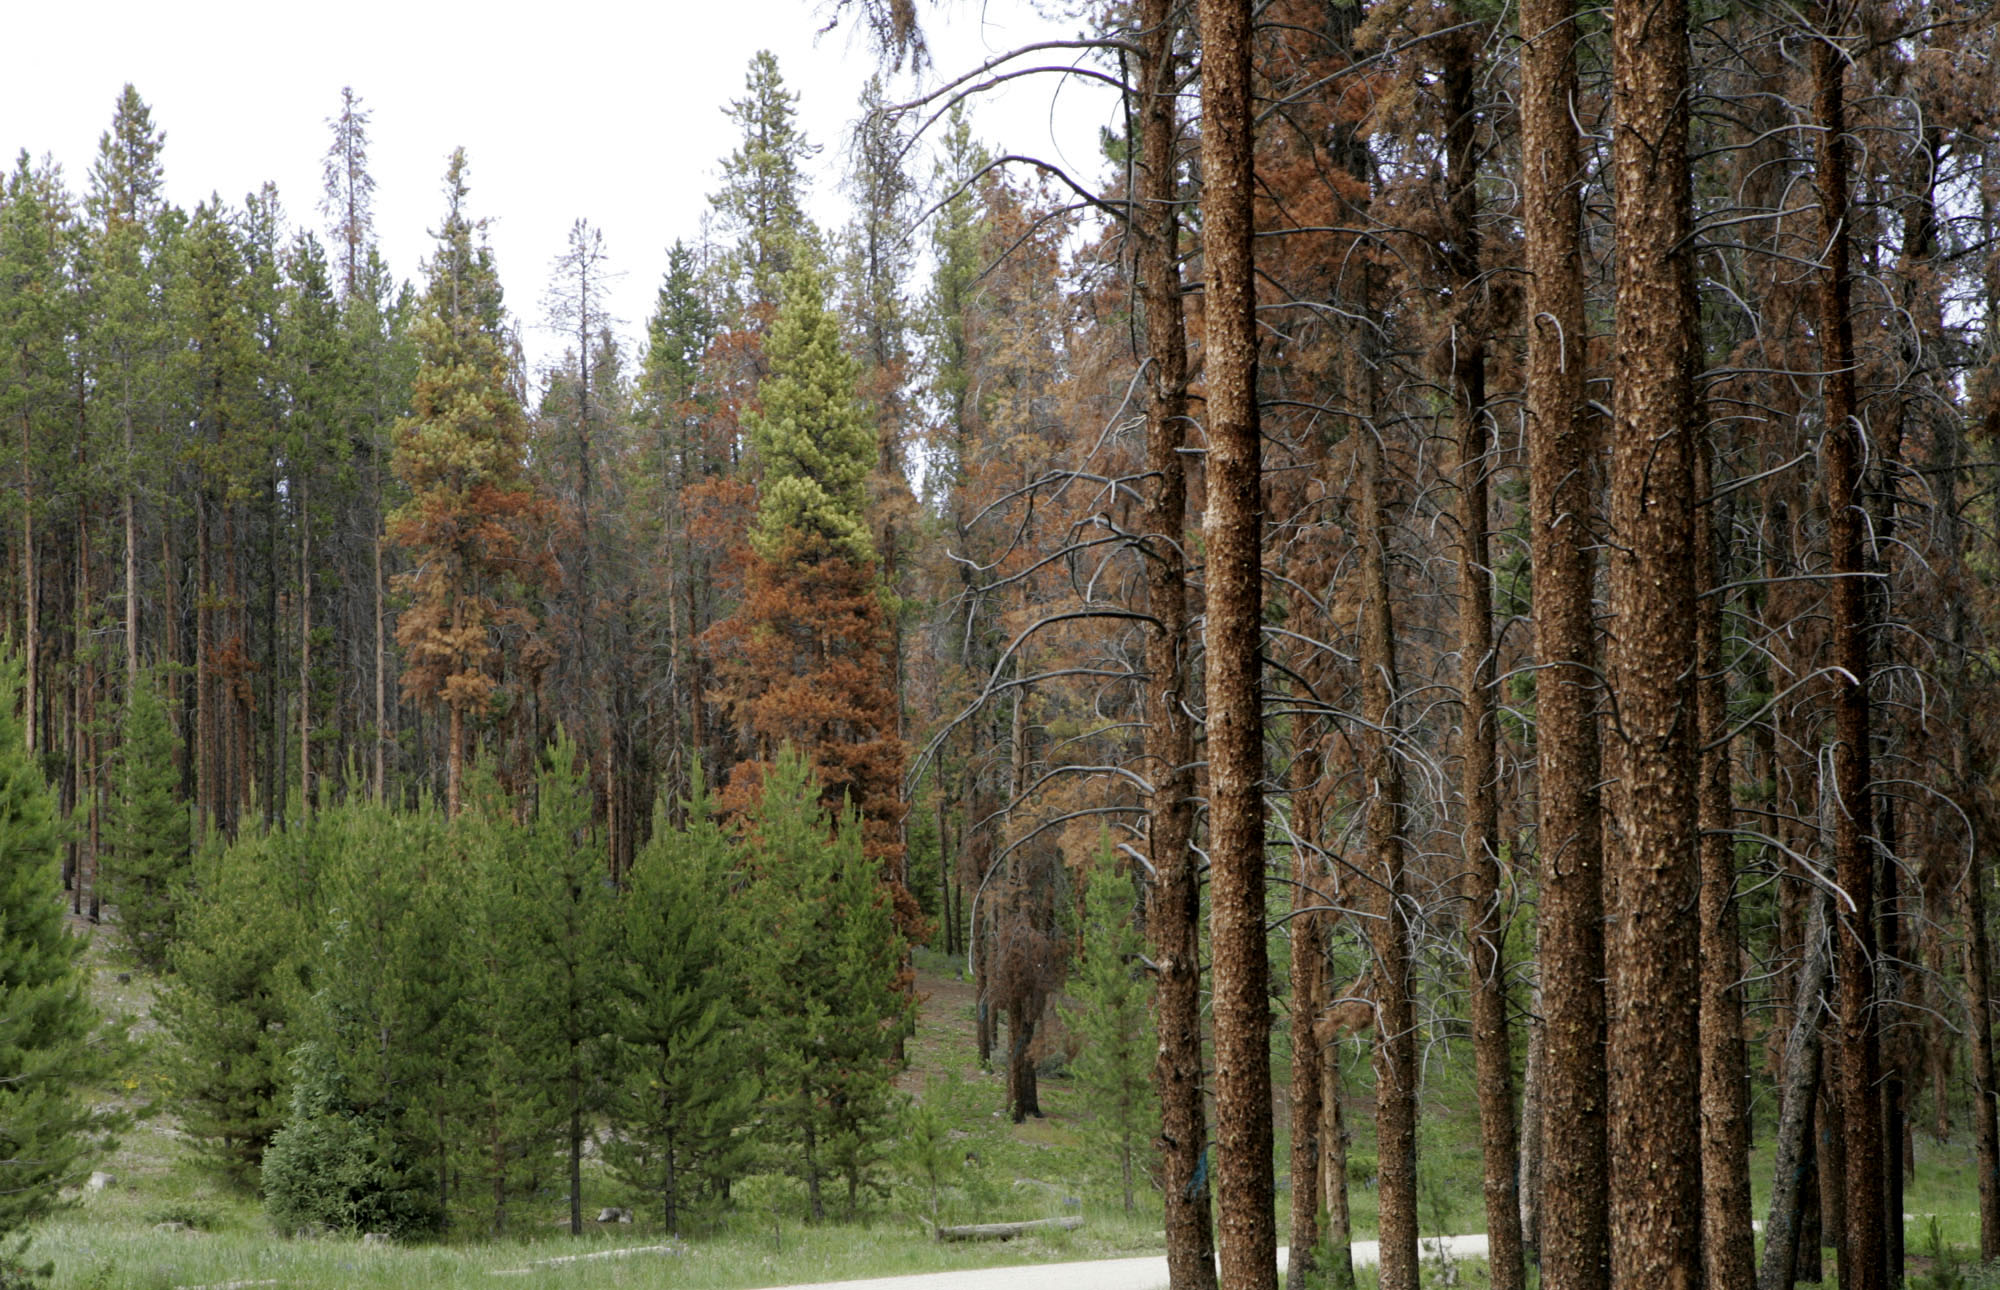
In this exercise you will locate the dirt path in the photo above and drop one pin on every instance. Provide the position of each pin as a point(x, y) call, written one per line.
point(1149, 1273)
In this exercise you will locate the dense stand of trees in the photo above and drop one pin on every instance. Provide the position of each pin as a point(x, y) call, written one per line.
point(1585, 649)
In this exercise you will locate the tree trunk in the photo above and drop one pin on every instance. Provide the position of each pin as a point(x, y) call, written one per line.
point(31, 594)
point(1573, 1240)
point(1233, 529)
point(381, 683)
point(1727, 1247)
point(1308, 971)
point(1173, 916)
point(1863, 1268)
point(1395, 1048)
point(575, 1146)
point(1979, 1016)
point(305, 655)
point(1652, 872)
point(1532, 1132)
point(1485, 926)
point(206, 760)
point(1797, 1085)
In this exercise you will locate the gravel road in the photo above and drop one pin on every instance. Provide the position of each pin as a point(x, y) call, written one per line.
point(1149, 1273)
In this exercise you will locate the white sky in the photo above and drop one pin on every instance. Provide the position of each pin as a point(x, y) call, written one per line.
point(587, 109)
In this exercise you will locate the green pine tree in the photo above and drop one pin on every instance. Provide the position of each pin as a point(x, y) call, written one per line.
point(762, 198)
point(230, 1002)
point(1110, 1011)
point(542, 994)
point(681, 1097)
point(53, 1045)
point(821, 985)
point(809, 432)
point(147, 829)
point(385, 1021)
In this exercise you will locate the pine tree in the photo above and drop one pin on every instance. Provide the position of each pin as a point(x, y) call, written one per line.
point(762, 198)
point(682, 1095)
point(815, 446)
point(544, 979)
point(460, 452)
point(1111, 1013)
point(820, 983)
point(385, 1021)
point(807, 660)
point(52, 1044)
point(147, 831)
point(234, 993)
point(347, 196)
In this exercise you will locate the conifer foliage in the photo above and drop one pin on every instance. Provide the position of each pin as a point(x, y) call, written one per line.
point(52, 1042)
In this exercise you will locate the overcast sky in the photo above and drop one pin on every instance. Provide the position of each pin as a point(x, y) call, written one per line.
point(580, 109)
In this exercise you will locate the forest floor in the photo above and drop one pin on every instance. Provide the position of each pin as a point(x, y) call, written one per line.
point(167, 1221)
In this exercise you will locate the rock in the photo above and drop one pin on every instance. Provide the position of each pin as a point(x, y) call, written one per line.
point(99, 1181)
point(614, 1214)
point(375, 1238)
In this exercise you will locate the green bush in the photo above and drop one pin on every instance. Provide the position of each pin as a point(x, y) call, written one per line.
point(331, 1167)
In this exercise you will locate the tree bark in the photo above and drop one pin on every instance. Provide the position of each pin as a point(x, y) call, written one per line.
point(1485, 926)
point(1308, 970)
point(1727, 1246)
point(1573, 1237)
point(1233, 528)
point(1979, 1016)
point(31, 595)
point(1797, 1085)
point(1652, 870)
point(1863, 1268)
point(1395, 1049)
point(1173, 917)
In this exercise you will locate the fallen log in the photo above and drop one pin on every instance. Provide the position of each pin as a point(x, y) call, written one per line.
point(1008, 1231)
point(622, 1252)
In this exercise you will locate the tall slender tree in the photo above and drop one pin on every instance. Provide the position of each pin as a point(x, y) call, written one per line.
point(1233, 529)
point(1653, 868)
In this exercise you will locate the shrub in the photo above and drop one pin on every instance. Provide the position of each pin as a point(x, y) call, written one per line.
point(331, 1166)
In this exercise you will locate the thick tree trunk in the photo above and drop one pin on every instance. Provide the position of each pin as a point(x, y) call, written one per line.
point(1727, 1246)
point(1233, 529)
point(1573, 1236)
point(1173, 916)
point(1652, 871)
point(1798, 1084)
point(1863, 1268)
